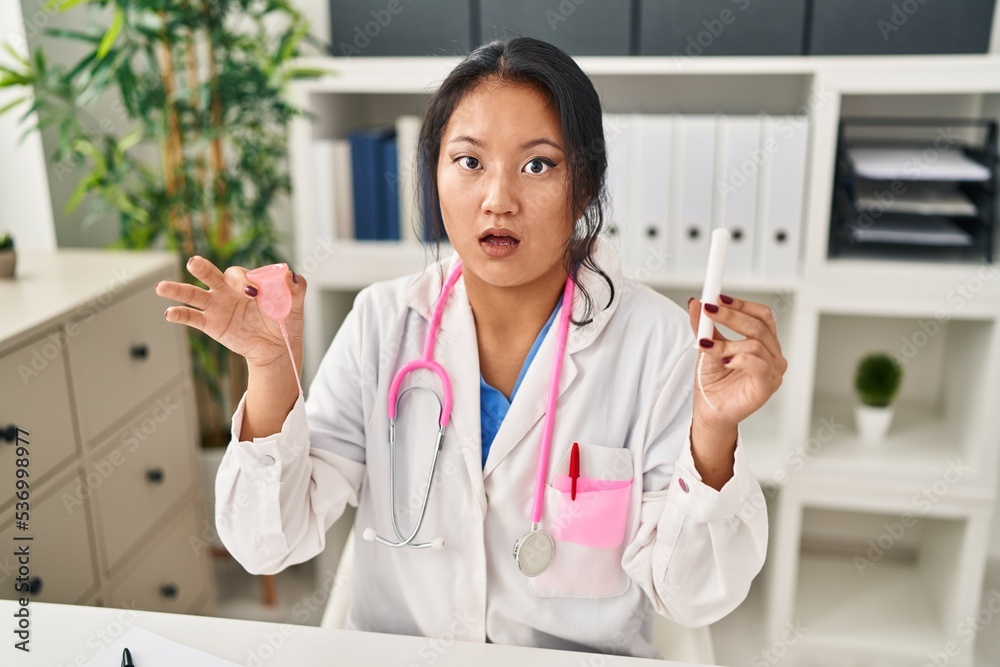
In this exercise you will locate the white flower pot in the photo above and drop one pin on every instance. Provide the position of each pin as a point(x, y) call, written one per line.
point(872, 423)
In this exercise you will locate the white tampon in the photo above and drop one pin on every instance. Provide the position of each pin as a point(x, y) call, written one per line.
point(713, 281)
point(710, 293)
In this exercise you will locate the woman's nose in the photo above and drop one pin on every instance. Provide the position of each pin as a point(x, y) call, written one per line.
point(501, 195)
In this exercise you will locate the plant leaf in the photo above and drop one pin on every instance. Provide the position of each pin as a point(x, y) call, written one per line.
point(111, 35)
point(13, 103)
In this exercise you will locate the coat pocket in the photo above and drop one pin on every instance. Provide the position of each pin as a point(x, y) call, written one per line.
point(588, 532)
point(596, 518)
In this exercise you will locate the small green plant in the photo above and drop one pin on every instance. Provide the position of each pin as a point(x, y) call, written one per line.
point(877, 379)
point(6, 241)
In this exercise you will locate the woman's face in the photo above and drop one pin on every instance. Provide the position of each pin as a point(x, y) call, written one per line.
point(502, 167)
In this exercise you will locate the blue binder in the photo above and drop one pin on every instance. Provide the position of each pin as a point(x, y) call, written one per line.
point(390, 190)
point(367, 163)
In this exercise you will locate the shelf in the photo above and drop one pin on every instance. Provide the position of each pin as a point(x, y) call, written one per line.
point(919, 444)
point(887, 612)
point(846, 285)
point(977, 72)
point(353, 265)
point(943, 410)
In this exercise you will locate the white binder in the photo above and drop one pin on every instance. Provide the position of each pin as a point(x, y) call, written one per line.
point(690, 213)
point(323, 188)
point(407, 136)
point(617, 138)
point(342, 187)
point(649, 237)
point(739, 161)
point(780, 210)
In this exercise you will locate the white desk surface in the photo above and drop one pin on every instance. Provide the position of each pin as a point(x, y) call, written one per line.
point(70, 635)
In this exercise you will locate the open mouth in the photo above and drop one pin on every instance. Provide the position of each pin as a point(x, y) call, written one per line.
point(499, 240)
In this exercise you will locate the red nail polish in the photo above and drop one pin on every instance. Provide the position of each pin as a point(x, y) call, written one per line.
point(725, 299)
point(704, 342)
point(250, 290)
point(165, 312)
point(726, 360)
point(711, 307)
point(690, 300)
point(295, 278)
point(157, 284)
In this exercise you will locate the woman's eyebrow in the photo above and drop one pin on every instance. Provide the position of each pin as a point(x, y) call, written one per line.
point(524, 146)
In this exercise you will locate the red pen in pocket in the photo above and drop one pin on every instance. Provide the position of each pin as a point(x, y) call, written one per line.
point(574, 469)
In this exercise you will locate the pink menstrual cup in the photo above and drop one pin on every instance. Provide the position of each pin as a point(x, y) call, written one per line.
point(273, 295)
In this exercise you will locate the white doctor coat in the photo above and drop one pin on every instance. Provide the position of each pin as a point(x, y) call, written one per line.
point(663, 542)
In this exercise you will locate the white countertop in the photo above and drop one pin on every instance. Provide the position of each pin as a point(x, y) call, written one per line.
point(63, 635)
point(46, 284)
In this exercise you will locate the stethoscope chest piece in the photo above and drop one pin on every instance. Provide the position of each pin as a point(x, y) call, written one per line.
point(533, 552)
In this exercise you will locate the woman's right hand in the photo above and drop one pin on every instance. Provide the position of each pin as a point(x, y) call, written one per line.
point(228, 312)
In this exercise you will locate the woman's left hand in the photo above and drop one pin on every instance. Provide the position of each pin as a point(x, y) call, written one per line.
point(738, 376)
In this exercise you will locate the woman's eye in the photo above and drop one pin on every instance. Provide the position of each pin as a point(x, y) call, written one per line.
point(539, 165)
point(469, 162)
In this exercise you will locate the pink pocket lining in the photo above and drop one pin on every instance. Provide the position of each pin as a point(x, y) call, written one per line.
point(597, 517)
point(585, 484)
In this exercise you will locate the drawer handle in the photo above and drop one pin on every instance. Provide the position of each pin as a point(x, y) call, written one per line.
point(140, 351)
point(168, 591)
point(35, 585)
point(154, 475)
point(9, 433)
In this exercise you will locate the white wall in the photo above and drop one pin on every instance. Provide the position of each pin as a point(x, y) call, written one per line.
point(318, 14)
point(25, 208)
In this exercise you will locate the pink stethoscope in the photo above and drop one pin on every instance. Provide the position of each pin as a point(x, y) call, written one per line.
point(533, 551)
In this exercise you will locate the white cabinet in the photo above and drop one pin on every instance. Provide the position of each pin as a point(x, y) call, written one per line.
point(99, 385)
point(827, 493)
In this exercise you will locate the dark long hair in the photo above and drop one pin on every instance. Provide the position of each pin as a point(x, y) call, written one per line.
point(555, 74)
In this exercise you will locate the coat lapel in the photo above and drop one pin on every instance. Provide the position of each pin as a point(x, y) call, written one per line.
point(525, 418)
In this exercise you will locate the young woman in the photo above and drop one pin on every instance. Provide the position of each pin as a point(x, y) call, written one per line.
point(645, 499)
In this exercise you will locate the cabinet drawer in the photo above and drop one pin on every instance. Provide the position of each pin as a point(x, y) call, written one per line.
point(61, 556)
point(173, 575)
point(34, 395)
point(147, 469)
point(119, 357)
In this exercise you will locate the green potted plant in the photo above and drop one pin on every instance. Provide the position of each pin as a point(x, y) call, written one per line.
point(8, 255)
point(877, 380)
point(197, 157)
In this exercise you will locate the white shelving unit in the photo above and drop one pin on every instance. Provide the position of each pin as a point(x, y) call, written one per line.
point(818, 478)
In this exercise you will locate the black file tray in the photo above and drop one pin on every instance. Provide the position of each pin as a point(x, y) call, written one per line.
point(978, 142)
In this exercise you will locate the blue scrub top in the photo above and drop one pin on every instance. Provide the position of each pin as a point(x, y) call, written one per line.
point(493, 405)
